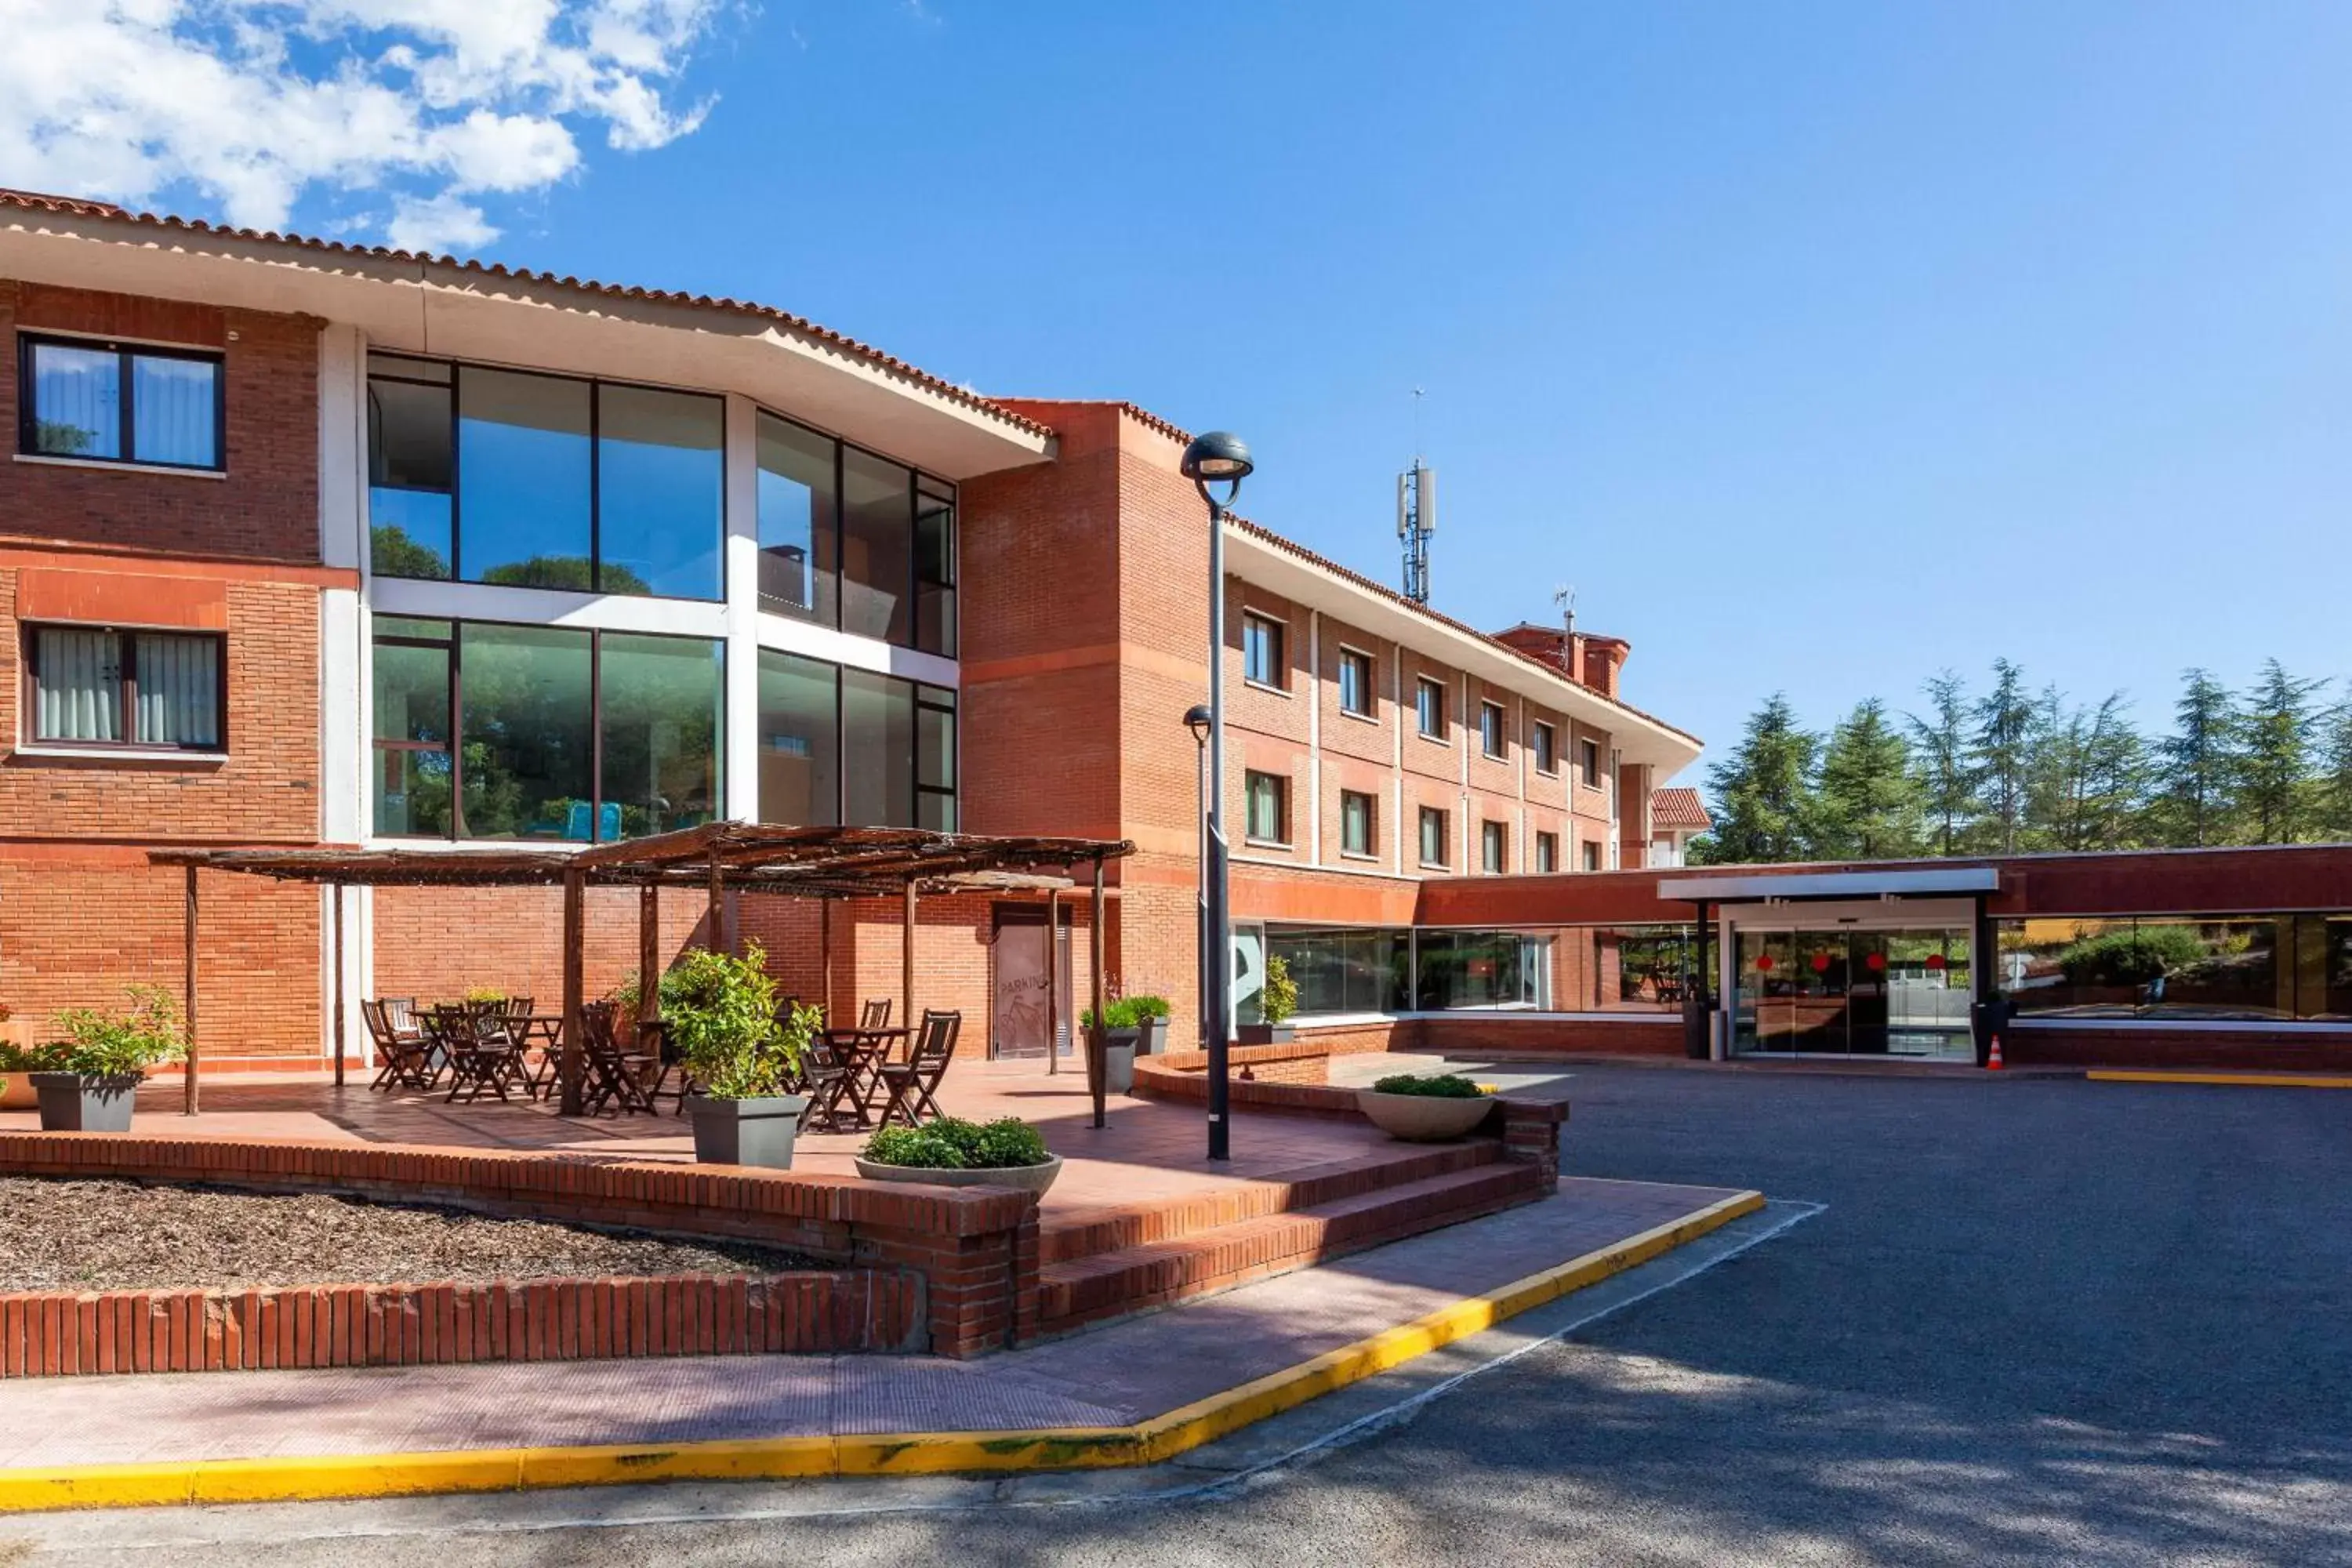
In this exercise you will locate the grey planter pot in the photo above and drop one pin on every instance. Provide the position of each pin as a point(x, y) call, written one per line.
point(1027, 1178)
point(1151, 1036)
point(72, 1103)
point(746, 1131)
point(1119, 1046)
point(1262, 1034)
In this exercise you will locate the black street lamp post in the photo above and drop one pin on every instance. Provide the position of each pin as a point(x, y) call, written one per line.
point(1217, 460)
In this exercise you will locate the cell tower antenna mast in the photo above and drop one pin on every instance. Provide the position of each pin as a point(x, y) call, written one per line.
point(1416, 513)
point(1564, 597)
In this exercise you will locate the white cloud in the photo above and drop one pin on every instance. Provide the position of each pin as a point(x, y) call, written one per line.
point(263, 103)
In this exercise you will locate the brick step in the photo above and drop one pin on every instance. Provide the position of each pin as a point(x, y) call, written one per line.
point(1073, 1234)
point(1110, 1284)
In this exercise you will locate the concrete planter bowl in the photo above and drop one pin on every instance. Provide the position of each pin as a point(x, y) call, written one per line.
point(1026, 1178)
point(746, 1131)
point(1424, 1117)
point(73, 1103)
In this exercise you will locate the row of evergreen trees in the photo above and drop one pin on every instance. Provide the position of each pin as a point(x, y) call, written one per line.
point(2012, 770)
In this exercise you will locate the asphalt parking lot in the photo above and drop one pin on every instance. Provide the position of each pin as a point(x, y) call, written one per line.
point(2034, 1321)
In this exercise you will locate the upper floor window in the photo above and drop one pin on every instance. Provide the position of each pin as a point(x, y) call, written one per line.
point(1546, 743)
point(1262, 650)
point(104, 402)
point(1547, 853)
point(1355, 682)
point(849, 745)
point(96, 686)
point(1357, 821)
point(1266, 803)
point(1433, 836)
point(1491, 837)
point(1588, 762)
point(543, 482)
point(1429, 708)
point(1490, 728)
point(851, 540)
point(1591, 853)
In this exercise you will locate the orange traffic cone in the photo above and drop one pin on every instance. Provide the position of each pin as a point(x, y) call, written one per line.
point(1992, 1058)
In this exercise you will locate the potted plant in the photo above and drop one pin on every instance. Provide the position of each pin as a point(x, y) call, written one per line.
point(1276, 1001)
point(719, 1011)
point(946, 1152)
point(1425, 1109)
point(15, 1063)
point(1122, 1029)
point(1150, 1023)
point(87, 1081)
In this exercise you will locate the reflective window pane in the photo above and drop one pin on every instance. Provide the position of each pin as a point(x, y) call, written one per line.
point(527, 732)
point(178, 679)
point(174, 411)
point(1345, 971)
point(661, 709)
point(523, 480)
point(78, 685)
point(412, 794)
point(77, 401)
point(877, 749)
point(800, 778)
point(409, 474)
point(412, 693)
point(1484, 970)
point(935, 570)
point(660, 503)
point(878, 547)
point(797, 576)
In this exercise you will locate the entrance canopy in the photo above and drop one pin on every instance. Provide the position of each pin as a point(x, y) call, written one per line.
point(1758, 886)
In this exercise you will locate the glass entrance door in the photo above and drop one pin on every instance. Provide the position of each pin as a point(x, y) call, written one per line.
point(1851, 992)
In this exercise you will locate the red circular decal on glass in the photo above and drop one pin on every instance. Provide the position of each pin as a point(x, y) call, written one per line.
point(1876, 960)
point(1763, 961)
point(1821, 963)
point(1935, 960)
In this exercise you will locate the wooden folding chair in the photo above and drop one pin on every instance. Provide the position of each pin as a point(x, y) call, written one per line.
point(875, 1014)
point(405, 1058)
point(914, 1082)
point(825, 1078)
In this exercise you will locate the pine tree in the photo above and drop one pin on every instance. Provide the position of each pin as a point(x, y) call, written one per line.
point(2090, 774)
point(2200, 764)
point(2274, 756)
point(1939, 745)
point(2331, 803)
point(2000, 755)
point(1868, 798)
point(1763, 804)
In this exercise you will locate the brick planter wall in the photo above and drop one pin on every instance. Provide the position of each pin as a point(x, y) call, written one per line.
point(68, 1334)
point(970, 1253)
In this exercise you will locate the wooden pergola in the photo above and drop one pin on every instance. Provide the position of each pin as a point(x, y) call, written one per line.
point(825, 863)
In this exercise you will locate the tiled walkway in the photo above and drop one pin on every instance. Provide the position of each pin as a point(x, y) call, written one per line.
point(1149, 1150)
point(1131, 1370)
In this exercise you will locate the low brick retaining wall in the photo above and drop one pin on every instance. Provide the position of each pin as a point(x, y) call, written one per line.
point(954, 1271)
point(67, 1333)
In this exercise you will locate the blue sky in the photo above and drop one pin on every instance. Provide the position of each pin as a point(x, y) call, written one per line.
point(1819, 345)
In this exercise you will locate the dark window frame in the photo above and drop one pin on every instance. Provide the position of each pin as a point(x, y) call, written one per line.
point(1499, 750)
point(29, 414)
point(1251, 777)
point(1371, 824)
point(454, 747)
point(1277, 652)
point(1493, 848)
point(1438, 815)
point(127, 637)
point(1588, 762)
point(1547, 853)
point(1431, 687)
point(1356, 659)
point(917, 478)
point(1588, 856)
point(1544, 740)
point(954, 710)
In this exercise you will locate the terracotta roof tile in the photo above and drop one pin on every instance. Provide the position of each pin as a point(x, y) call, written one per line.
point(1678, 806)
point(34, 200)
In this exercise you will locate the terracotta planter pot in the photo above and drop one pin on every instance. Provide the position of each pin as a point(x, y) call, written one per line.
point(1027, 1178)
point(16, 1092)
point(1424, 1117)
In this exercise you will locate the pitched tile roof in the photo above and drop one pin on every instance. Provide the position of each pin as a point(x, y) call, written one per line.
point(35, 201)
point(1678, 806)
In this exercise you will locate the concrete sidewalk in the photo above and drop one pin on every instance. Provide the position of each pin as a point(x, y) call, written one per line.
point(1133, 1371)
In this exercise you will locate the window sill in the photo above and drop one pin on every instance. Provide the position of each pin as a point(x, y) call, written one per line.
point(122, 754)
point(1434, 739)
point(116, 465)
point(1360, 718)
point(1545, 773)
point(1435, 866)
point(1262, 686)
point(1282, 844)
point(1358, 855)
point(1486, 756)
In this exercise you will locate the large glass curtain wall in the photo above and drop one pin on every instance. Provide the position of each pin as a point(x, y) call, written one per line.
point(1568, 969)
point(488, 730)
point(544, 481)
point(851, 540)
point(850, 746)
point(2269, 968)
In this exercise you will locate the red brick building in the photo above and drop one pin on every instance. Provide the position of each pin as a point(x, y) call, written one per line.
point(304, 544)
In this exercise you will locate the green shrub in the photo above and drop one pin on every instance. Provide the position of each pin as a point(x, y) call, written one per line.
point(102, 1043)
point(950, 1144)
point(1119, 1013)
point(1150, 1008)
point(485, 993)
point(721, 1011)
point(1281, 998)
point(1444, 1086)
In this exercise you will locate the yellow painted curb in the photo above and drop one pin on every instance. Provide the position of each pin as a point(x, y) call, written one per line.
point(2229, 1080)
point(899, 1454)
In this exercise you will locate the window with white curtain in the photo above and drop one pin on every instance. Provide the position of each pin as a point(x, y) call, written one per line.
point(101, 401)
point(96, 686)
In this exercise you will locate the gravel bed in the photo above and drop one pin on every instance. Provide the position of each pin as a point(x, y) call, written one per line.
point(71, 1235)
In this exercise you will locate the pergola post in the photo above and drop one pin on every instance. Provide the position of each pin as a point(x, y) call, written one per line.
point(188, 1090)
point(335, 891)
point(649, 961)
point(717, 918)
point(1097, 1041)
point(824, 959)
point(575, 899)
point(1052, 980)
point(907, 958)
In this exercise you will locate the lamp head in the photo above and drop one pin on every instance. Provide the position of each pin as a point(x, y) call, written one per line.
point(1198, 719)
point(1219, 457)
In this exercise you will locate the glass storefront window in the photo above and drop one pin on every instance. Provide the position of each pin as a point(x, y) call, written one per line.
point(1345, 971)
point(528, 757)
point(797, 521)
point(524, 480)
point(1624, 969)
point(660, 502)
point(661, 714)
point(2220, 968)
point(1497, 969)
